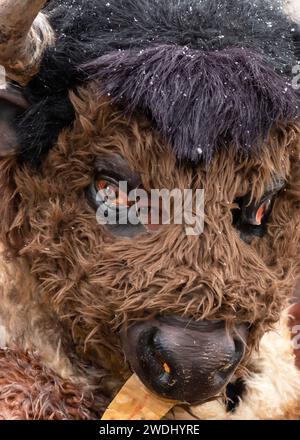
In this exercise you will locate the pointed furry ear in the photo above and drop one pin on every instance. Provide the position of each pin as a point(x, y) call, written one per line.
point(12, 106)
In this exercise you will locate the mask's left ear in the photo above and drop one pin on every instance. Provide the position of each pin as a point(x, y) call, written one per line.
point(12, 106)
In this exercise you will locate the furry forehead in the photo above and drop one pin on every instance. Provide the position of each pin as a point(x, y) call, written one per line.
point(207, 72)
point(200, 101)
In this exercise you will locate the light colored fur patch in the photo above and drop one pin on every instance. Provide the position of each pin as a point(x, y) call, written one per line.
point(271, 393)
point(26, 322)
point(3, 337)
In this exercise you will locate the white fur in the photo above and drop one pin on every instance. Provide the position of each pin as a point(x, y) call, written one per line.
point(272, 392)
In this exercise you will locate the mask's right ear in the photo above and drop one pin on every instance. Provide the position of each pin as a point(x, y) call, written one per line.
point(12, 106)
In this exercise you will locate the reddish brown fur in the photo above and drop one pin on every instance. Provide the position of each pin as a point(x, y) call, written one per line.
point(30, 391)
point(93, 282)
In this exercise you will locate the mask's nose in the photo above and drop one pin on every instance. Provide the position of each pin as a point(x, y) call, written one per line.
point(183, 360)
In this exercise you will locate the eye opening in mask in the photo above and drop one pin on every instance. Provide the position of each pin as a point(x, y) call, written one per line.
point(251, 218)
point(127, 212)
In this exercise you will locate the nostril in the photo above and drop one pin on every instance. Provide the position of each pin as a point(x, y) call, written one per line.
point(189, 362)
point(153, 358)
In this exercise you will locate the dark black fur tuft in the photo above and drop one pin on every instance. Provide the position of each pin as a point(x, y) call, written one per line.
point(200, 101)
point(88, 30)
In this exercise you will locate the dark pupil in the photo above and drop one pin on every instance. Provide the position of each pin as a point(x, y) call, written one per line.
point(250, 219)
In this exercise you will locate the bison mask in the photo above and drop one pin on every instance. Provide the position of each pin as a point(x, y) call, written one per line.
point(159, 94)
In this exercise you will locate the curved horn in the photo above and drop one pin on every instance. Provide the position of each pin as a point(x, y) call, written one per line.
point(24, 33)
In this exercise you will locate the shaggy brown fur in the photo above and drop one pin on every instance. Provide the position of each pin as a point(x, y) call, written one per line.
point(30, 391)
point(90, 282)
